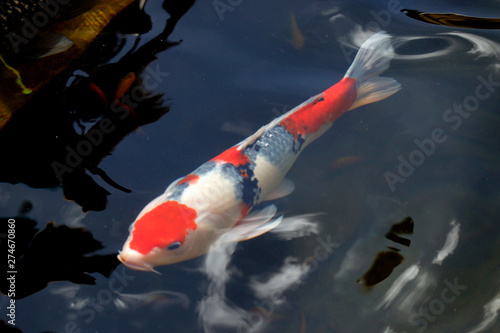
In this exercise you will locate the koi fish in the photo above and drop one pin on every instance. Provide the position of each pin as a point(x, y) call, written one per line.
point(217, 198)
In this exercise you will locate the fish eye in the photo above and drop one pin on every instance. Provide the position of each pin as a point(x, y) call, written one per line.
point(174, 245)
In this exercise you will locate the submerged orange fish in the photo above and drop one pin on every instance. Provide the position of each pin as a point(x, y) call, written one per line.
point(297, 36)
point(345, 162)
point(216, 199)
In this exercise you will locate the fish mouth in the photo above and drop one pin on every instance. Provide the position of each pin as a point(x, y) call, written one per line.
point(133, 261)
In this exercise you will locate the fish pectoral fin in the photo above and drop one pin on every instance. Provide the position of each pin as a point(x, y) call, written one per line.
point(50, 44)
point(253, 225)
point(252, 138)
point(285, 188)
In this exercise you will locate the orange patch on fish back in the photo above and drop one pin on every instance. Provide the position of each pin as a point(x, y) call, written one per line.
point(233, 156)
point(190, 179)
point(167, 223)
point(330, 105)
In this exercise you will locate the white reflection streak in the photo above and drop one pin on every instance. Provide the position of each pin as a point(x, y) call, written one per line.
point(214, 309)
point(417, 292)
point(491, 311)
point(409, 274)
point(289, 275)
point(158, 299)
point(355, 37)
point(79, 303)
point(399, 41)
point(326, 8)
point(450, 244)
point(241, 128)
point(73, 216)
point(352, 260)
point(68, 292)
point(297, 226)
point(483, 47)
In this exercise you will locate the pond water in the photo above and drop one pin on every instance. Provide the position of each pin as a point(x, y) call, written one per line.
point(430, 152)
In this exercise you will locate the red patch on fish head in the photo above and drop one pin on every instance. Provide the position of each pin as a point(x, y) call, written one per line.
point(165, 224)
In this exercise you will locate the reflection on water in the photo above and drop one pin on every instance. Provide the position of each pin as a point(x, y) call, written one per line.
point(454, 20)
point(225, 79)
point(216, 311)
point(450, 244)
point(92, 108)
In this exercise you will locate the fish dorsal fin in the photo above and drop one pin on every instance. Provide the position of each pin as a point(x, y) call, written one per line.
point(252, 138)
point(284, 188)
point(175, 182)
point(253, 225)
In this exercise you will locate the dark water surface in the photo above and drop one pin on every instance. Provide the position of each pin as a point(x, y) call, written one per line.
point(430, 152)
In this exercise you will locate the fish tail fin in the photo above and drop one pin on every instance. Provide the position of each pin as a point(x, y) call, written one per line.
point(372, 59)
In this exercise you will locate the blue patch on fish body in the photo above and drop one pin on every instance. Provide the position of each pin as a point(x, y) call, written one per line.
point(276, 145)
point(177, 190)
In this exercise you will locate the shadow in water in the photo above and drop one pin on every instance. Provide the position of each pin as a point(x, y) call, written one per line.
point(386, 261)
point(57, 253)
point(62, 135)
